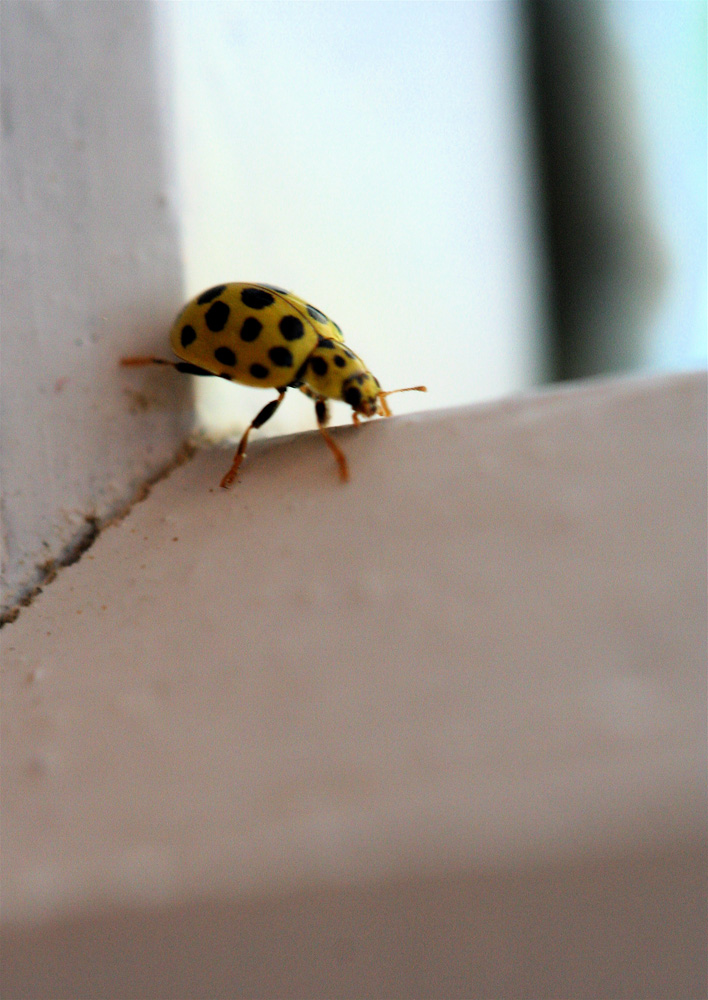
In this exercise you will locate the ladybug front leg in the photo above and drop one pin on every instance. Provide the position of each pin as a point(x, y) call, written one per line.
point(265, 414)
point(322, 414)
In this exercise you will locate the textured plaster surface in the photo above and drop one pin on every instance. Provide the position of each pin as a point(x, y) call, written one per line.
point(90, 271)
point(456, 705)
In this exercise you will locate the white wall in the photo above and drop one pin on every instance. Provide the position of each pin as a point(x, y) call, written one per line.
point(90, 271)
point(664, 44)
point(373, 157)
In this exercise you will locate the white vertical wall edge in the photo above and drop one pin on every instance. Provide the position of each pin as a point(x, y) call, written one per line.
point(90, 271)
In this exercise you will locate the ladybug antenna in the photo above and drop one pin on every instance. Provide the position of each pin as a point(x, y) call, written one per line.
point(390, 392)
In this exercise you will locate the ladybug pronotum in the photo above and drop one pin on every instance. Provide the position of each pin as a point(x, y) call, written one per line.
point(264, 336)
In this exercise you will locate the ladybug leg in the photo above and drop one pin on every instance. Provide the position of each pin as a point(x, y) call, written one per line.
point(181, 366)
point(322, 420)
point(137, 362)
point(265, 414)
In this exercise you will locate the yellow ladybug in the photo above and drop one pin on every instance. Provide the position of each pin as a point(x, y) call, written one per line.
point(264, 336)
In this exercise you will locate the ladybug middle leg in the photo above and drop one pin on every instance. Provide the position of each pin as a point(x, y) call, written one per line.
point(322, 414)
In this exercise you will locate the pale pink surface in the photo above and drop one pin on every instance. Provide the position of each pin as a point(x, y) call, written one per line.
point(485, 654)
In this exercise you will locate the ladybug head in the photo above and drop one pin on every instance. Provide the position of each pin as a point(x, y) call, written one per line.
point(362, 392)
point(366, 397)
point(333, 371)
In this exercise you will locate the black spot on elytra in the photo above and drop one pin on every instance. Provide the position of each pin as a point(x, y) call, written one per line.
point(280, 356)
point(225, 356)
point(216, 316)
point(291, 327)
point(339, 361)
point(187, 336)
point(315, 314)
point(256, 298)
point(319, 366)
point(352, 396)
point(259, 371)
point(211, 293)
point(325, 342)
point(251, 328)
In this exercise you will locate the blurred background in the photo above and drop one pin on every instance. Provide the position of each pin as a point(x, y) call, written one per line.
point(484, 196)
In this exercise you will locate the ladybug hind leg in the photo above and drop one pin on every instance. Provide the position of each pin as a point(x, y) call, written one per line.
point(182, 366)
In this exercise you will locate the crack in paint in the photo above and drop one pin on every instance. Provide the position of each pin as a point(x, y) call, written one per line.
point(49, 570)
